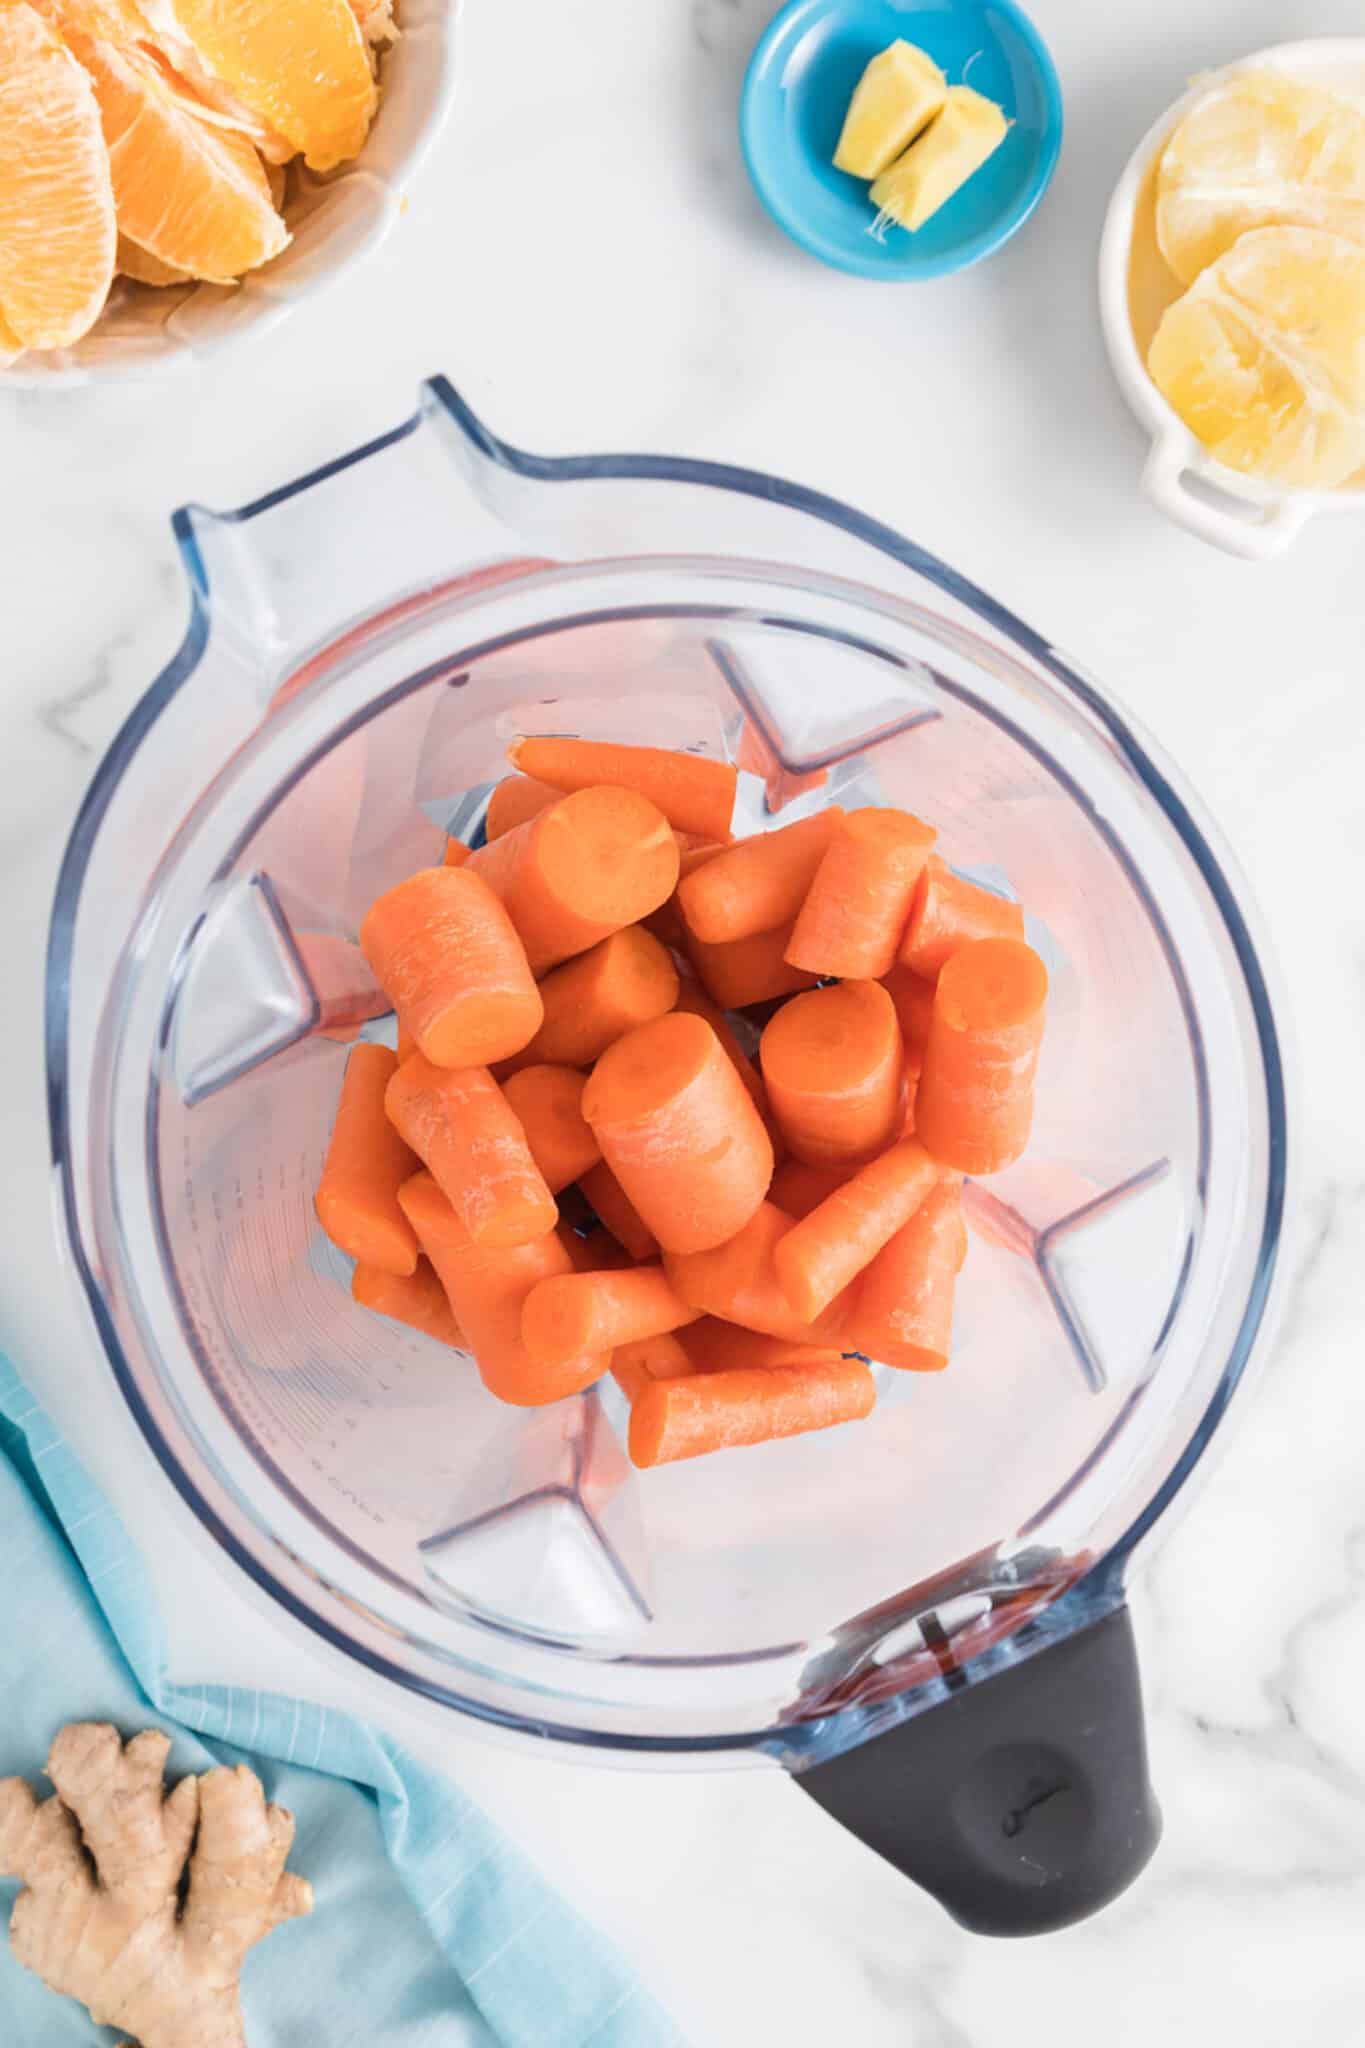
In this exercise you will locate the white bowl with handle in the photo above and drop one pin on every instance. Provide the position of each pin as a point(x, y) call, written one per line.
point(335, 220)
point(1243, 515)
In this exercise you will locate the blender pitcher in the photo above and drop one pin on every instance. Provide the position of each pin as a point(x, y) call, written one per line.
point(921, 1617)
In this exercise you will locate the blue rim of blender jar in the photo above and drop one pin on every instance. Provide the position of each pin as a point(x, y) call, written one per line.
point(1101, 1586)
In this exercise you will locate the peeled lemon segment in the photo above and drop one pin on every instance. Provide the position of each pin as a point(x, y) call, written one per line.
point(1264, 357)
point(954, 145)
point(898, 94)
point(1260, 150)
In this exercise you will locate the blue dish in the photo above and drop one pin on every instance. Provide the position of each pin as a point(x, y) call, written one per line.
point(797, 89)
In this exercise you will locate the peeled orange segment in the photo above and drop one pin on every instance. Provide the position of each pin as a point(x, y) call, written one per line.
point(1260, 150)
point(57, 232)
point(190, 192)
point(145, 268)
point(1264, 357)
point(300, 66)
point(11, 348)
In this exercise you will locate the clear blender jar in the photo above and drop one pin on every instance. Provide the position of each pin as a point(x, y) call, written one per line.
point(920, 1617)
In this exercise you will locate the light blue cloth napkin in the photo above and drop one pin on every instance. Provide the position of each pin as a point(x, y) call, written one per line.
point(429, 1930)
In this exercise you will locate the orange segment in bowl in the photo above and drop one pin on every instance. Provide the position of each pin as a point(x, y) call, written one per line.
point(57, 230)
point(189, 191)
point(144, 268)
point(300, 66)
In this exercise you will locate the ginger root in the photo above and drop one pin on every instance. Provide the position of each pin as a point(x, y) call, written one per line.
point(110, 1928)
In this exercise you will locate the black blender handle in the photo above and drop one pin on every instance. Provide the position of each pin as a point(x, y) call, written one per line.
point(1023, 1802)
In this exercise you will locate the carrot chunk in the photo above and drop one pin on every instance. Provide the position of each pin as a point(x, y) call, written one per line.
point(679, 1131)
point(913, 996)
point(745, 971)
point(694, 794)
point(515, 799)
point(713, 1345)
point(444, 951)
point(579, 871)
point(649, 1358)
point(367, 1162)
point(487, 1287)
point(465, 1132)
point(685, 1418)
point(756, 884)
point(974, 1106)
point(738, 1282)
point(854, 916)
point(548, 1103)
point(581, 1312)
point(456, 854)
point(832, 1064)
point(616, 1212)
point(592, 1000)
point(949, 913)
point(694, 999)
point(417, 1299)
point(798, 1188)
point(825, 1251)
point(904, 1311)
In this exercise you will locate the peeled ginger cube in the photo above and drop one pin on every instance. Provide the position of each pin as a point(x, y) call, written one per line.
point(898, 94)
point(956, 143)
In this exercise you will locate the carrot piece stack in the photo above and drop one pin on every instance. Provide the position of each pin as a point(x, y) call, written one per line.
point(568, 1051)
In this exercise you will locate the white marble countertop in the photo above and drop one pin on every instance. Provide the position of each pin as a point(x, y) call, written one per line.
point(583, 255)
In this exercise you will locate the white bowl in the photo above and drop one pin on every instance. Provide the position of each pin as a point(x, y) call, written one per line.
point(1238, 513)
point(335, 221)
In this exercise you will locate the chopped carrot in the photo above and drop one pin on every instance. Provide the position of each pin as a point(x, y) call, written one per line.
point(649, 1358)
point(487, 1287)
point(748, 971)
point(456, 853)
point(417, 1299)
point(581, 1312)
point(616, 1212)
point(823, 1253)
point(694, 999)
point(799, 1188)
point(904, 1311)
point(695, 794)
point(685, 1418)
point(515, 799)
point(913, 996)
point(666, 922)
point(592, 1000)
point(367, 1162)
point(853, 918)
point(597, 1252)
point(712, 1345)
point(832, 1063)
point(756, 884)
point(407, 1044)
point(974, 1108)
point(445, 953)
point(579, 871)
point(463, 1129)
point(679, 1132)
point(738, 1282)
point(548, 1102)
point(949, 913)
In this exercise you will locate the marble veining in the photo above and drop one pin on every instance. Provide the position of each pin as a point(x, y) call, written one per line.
point(583, 255)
